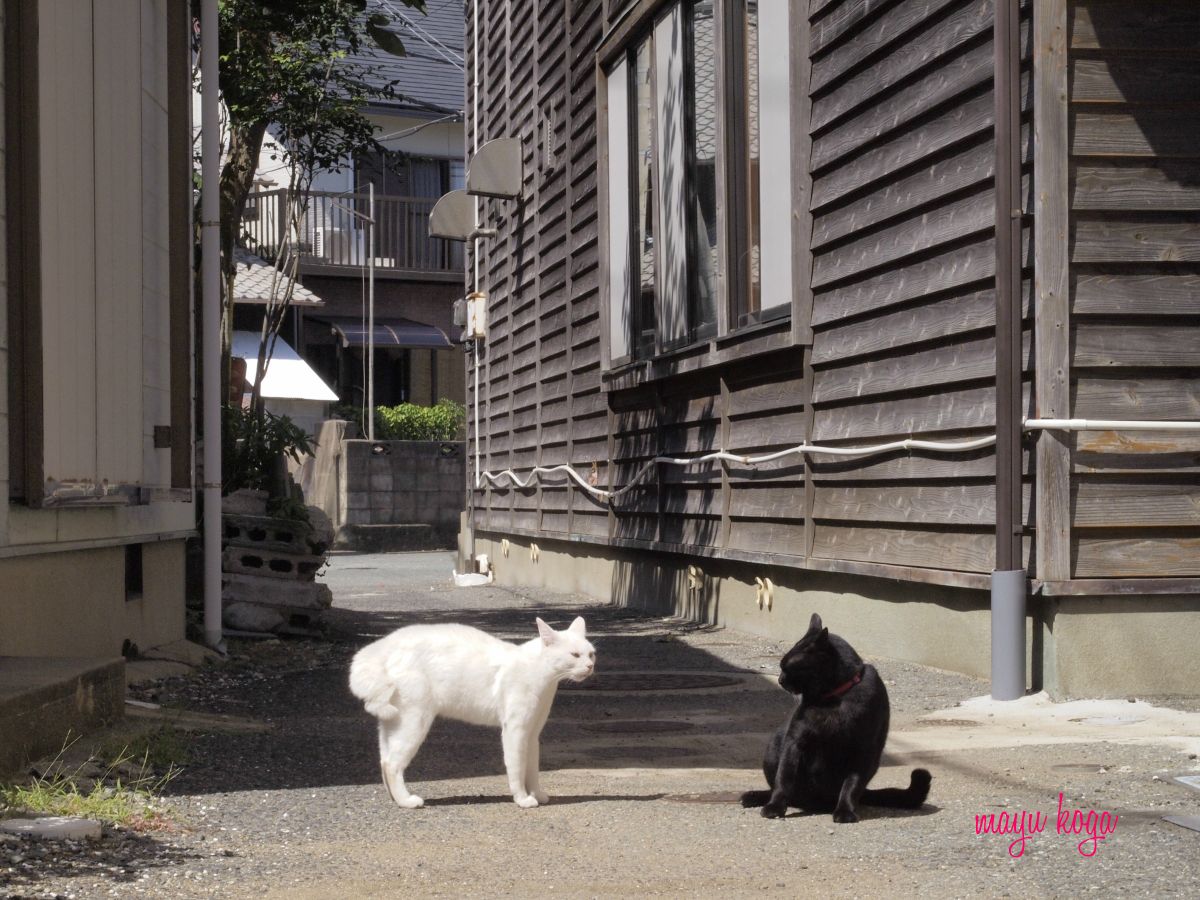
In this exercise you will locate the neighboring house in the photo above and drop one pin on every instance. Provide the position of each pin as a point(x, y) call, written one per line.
point(417, 278)
point(96, 444)
point(292, 388)
point(817, 264)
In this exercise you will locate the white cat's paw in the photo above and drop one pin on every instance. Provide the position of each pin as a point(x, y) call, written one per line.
point(412, 801)
point(542, 797)
point(527, 802)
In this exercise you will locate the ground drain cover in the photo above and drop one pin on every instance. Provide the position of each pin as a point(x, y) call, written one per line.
point(653, 681)
point(639, 727)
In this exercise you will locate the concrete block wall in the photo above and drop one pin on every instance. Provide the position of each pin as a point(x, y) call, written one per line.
point(402, 483)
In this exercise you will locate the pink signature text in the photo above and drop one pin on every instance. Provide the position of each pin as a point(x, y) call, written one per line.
point(1021, 825)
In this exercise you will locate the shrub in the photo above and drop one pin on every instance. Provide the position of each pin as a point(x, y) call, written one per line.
point(409, 422)
point(253, 446)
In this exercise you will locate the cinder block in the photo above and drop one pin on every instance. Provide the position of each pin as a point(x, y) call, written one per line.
point(359, 499)
point(270, 563)
point(266, 533)
point(381, 482)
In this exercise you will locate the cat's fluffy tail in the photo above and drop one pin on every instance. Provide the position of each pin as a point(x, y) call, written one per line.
point(901, 798)
point(370, 683)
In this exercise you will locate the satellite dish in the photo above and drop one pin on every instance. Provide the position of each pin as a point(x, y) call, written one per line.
point(453, 217)
point(496, 171)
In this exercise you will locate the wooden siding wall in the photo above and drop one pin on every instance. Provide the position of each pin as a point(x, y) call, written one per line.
point(900, 109)
point(901, 118)
point(1134, 251)
point(903, 262)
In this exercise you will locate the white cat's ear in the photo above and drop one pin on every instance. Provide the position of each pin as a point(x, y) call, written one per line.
point(578, 627)
point(548, 634)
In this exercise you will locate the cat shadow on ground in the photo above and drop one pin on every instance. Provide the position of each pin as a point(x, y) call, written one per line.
point(555, 799)
point(869, 813)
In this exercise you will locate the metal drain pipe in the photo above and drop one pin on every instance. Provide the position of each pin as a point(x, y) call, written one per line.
point(210, 301)
point(1009, 583)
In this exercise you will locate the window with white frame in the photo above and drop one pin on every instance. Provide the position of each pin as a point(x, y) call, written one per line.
point(699, 242)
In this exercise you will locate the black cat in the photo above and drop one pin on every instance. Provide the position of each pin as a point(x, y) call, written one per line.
point(822, 758)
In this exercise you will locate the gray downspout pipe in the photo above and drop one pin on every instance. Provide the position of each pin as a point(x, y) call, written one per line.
point(1008, 583)
point(210, 304)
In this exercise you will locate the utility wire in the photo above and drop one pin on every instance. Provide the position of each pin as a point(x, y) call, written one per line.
point(426, 38)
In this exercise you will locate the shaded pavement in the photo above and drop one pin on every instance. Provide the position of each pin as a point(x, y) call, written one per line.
point(643, 765)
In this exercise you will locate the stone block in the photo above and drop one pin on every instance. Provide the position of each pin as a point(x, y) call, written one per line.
point(54, 828)
point(355, 467)
point(243, 616)
point(265, 532)
point(274, 592)
point(245, 502)
point(358, 499)
point(405, 479)
point(270, 563)
point(381, 482)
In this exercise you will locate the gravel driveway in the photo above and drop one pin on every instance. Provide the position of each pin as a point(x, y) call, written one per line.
point(643, 765)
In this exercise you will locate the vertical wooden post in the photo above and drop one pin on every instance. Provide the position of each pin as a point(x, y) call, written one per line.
point(802, 259)
point(1051, 286)
point(1008, 285)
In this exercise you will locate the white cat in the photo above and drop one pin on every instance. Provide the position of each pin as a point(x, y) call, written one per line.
point(423, 671)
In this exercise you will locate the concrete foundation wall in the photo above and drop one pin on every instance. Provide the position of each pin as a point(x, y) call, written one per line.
point(1075, 647)
point(73, 603)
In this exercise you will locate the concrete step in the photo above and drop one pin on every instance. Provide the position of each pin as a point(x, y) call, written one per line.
point(395, 538)
point(45, 702)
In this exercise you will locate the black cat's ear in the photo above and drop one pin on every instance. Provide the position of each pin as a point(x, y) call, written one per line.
point(814, 624)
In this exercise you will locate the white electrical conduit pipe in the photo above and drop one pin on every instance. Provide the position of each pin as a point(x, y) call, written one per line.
point(819, 449)
point(1107, 425)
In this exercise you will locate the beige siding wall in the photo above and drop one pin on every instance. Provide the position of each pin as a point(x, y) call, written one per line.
point(105, 309)
point(74, 603)
point(117, 103)
point(66, 83)
point(104, 242)
point(155, 281)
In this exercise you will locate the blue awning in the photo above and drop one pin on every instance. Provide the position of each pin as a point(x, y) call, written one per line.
point(388, 333)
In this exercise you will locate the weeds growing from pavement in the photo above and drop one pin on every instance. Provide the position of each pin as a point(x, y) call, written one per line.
point(118, 787)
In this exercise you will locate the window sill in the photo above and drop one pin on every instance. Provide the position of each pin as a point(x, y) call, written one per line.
point(753, 340)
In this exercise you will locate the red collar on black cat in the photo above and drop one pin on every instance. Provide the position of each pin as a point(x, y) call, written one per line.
point(841, 689)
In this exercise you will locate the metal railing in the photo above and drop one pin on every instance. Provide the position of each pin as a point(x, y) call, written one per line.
point(333, 231)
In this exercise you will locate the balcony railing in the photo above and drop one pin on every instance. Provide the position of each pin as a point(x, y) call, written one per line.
point(334, 232)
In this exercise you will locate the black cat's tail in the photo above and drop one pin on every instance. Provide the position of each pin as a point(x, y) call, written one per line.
point(910, 797)
point(752, 799)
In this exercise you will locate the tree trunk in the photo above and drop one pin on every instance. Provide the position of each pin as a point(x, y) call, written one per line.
point(237, 180)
